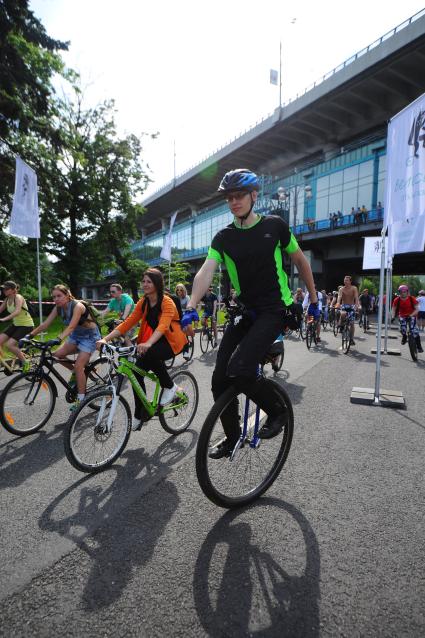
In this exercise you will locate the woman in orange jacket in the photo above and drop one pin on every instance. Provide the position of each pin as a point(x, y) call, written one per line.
point(160, 337)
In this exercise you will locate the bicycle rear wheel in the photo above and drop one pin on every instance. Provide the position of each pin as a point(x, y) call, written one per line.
point(335, 327)
point(191, 344)
point(27, 403)
point(89, 446)
point(204, 339)
point(233, 483)
point(176, 417)
point(413, 347)
point(346, 338)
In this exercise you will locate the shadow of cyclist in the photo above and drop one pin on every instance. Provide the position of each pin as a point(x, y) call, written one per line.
point(21, 457)
point(240, 588)
point(118, 523)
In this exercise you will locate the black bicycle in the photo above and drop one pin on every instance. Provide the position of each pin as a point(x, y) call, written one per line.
point(28, 400)
point(411, 340)
point(254, 463)
point(206, 337)
point(346, 333)
point(311, 332)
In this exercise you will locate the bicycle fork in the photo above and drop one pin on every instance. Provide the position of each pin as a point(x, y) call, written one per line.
point(255, 441)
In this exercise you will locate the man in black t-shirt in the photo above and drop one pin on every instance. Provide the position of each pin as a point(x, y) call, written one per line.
point(251, 248)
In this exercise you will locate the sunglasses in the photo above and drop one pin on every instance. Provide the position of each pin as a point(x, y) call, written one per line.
point(236, 196)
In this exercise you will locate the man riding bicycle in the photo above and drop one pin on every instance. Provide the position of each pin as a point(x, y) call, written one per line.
point(210, 302)
point(348, 301)
point(251, 248)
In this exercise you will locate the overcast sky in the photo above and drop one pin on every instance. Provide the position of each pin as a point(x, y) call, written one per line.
point(198, 73)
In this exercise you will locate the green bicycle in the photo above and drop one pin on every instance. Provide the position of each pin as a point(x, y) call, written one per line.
point(94, 441)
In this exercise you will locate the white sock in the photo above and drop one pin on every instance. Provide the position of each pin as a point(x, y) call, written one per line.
point(81, 397)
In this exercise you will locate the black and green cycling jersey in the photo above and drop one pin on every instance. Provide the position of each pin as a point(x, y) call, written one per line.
point(254, 261)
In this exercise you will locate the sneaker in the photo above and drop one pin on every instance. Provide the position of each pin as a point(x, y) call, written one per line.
point(403, 340)
point(74, 406)
point(168, 395)
point(136, 424)
point(318, 340)
point(419, 348)
point(272, 427)
point(352, 342)
point(222, 450)
point(186, 356)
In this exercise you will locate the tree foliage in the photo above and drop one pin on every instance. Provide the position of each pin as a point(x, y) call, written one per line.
point(175, 273)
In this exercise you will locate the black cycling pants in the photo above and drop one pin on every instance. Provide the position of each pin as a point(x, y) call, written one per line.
point(241, 350)
point(153, 360)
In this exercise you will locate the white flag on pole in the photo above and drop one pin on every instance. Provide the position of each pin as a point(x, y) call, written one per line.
point(166, 249)
point(405, 187)
point(407, 236)
point(372, 252)
point(25, 220)
point(274, 77)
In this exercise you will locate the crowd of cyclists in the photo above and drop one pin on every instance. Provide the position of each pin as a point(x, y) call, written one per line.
point(251, 248)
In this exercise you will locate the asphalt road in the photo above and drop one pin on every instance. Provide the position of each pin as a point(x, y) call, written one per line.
point(335, 548)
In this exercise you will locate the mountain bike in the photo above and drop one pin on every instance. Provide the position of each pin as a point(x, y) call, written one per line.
point(335, 321)
point(254, 463)
point(93, 441)
point(28, 400)
point(206, 337)
point(311, 332)
point(191, 346)
point(346, 333)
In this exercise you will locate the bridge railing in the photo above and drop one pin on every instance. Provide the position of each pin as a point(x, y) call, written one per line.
point(313, 225)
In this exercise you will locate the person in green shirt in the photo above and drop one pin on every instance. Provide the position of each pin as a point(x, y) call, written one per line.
point(122, 304)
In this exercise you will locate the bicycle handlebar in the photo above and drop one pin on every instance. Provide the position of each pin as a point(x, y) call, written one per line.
point(109, 349)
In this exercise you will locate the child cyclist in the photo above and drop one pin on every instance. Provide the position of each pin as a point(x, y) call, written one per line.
point(407, 307)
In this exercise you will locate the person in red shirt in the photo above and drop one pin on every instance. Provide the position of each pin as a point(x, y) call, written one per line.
point(406, 307)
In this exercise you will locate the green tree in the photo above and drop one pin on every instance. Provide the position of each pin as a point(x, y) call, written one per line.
point(29, 59)
point(89, 179)
point(177, 272)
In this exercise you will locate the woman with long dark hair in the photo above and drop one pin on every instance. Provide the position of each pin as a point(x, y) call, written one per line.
point(160, 337)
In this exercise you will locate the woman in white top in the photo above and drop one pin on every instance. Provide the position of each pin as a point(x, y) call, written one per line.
point(421, 314)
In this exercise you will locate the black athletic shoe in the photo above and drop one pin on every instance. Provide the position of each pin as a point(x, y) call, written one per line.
point(403, 340)
point(420, 349)
point(222, 450)
point(352, 342)
point(272, 427)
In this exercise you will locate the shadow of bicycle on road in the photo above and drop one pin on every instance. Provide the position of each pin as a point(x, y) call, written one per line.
point(263, 582)
point(118, 522)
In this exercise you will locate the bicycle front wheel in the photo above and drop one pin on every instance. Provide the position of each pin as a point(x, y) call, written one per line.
point(413, 347)
point(27, 403)
point(346, 339)
point(235, 482)
point(176, 417)
point(94, 440)
point(309, 336)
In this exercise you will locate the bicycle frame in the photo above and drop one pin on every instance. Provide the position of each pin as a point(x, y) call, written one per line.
point(255, 440)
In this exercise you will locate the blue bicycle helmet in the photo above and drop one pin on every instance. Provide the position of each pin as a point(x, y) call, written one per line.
point(240, 179)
